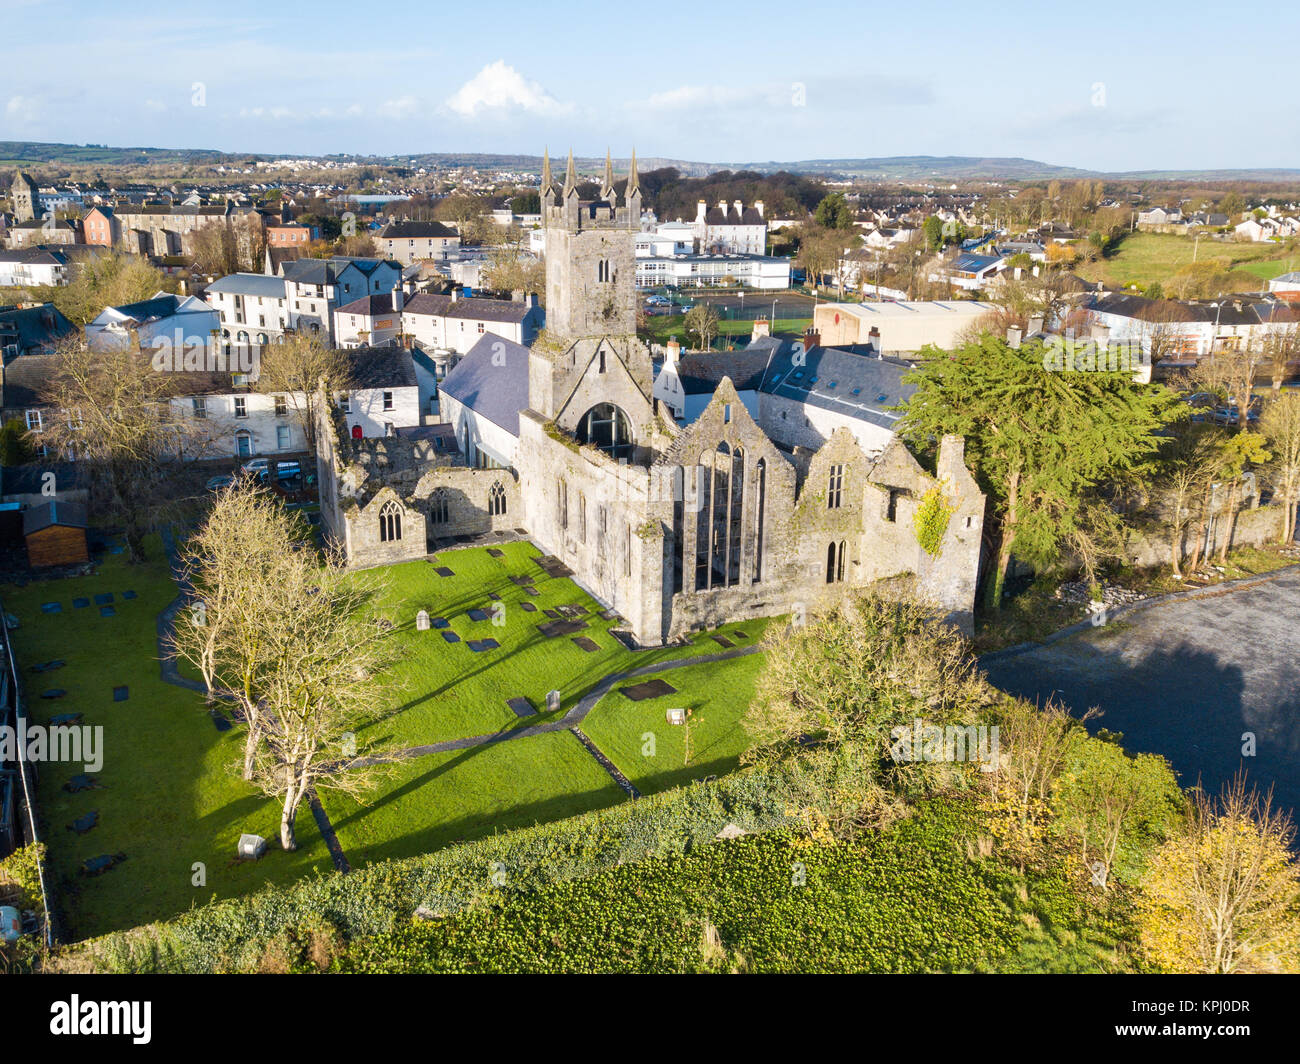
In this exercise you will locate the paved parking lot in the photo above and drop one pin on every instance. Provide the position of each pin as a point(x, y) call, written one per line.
point(1187, 679)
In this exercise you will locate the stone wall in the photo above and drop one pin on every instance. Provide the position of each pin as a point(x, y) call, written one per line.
point(1256, 527)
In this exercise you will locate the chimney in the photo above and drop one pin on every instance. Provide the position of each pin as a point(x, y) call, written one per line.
point(758, 206)
point(700, 208)
point(1013, 336)
point(722, 206)
point(455, 294)
point(739, 209)
point(811, 338)
point(672, 352)
point(516, 295)
point(398, 298)
point(873, 337)
point(762, 327)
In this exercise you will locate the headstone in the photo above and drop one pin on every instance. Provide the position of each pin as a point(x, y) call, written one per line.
point(251, 847)
point(552, 701)
point(676, 716)
point(422, 621)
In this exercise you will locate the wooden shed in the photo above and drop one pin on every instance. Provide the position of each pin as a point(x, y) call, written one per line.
point(55, 533)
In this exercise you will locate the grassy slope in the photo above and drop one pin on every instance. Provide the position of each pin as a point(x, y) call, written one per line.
point(169, 797)
point(1146, 257)
point(619, 726)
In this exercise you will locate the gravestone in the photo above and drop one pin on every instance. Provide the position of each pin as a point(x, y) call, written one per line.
point(422, 621)
point(676, 716)
point(552, 701)
point(251, 847)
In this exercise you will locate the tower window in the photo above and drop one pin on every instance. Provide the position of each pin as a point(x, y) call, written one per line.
point(835, 488)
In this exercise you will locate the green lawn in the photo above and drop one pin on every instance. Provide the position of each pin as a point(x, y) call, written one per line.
point(439, 799)
point(660, 330)
point(169, 796)
point(1143, 258)
point(443, 690)
point(653, 753)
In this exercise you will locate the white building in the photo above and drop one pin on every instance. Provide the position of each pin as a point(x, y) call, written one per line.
point(33, 266)
point(184, 323)
point(314, 288)
point(731, 229)
point(706, 271)
point(456, 323)
point(253, 307)
point(408, 241)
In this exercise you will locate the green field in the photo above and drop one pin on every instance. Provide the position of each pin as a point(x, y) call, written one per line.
point(660, 330)
point(171, 795)
point(1144, 258)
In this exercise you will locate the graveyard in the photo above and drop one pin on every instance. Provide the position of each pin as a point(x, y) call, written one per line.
point(515, 705)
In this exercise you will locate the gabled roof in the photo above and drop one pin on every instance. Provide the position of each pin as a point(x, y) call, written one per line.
point(472, 308)
point(32, 327)
point(47, 514)
point(495, 389)
point(411, 230)
point(369, 305)
point(249, 284)
point(857, 385)
point(701, 373)
point(381, 367)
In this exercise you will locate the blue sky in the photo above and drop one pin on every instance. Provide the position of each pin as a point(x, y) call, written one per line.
point(1103, 85)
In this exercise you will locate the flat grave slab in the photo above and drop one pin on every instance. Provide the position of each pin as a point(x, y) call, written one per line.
point(610, 615)
point(120, 694)
point(530, 590)
point(583, 643)
point(51, 607)
point(494, 552)
point(553, 614)
point(551, 629)
point(451, 637)
point(521, 707)
point(480, 645)
point(476, 615)
point(639, 692)
point(528, 607)
point(80, 782)
point(521, 581)
point(107, 611)
point(740, 635)
point(85, 822)
point(104, 599)
point(722, 640)
point(552, 566)
point(128, 594)
point(494, 596)
point(440, 622)
point(49, 666)
point(65, 720)
point(54, 692)
point(573, 610)
point(221, 721)
point(442, 570)
point(80, 603)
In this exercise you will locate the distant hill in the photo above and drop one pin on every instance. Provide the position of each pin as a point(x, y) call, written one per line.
point(930, 168)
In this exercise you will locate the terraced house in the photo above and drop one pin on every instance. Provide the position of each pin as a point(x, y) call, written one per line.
point(675, 527)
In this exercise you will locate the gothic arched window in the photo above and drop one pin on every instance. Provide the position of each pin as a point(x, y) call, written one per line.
point(497, 499)
point(390, 522)
point(438, 506)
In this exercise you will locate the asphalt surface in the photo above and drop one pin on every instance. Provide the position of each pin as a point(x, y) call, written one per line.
point(753, 305)
point(1187, 679)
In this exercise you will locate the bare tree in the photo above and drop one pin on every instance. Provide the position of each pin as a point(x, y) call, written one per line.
point(305, 371)
point(1232, 374)
point(113, 411)
point(702, 322)
point(1281, 426)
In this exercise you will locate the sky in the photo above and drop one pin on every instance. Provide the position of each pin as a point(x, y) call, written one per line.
point(1103, 86)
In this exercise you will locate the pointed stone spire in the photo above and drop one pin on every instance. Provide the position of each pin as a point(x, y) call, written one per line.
point(607, 186)
point(570, 176)
point(633, 178)
point(547, 180)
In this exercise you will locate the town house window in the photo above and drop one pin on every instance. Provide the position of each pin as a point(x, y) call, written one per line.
point(34, 420)
point(200, 407)
point(388, 400)
point(281, 406)
point(241, 406)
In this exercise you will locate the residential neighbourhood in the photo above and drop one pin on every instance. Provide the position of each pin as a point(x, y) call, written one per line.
point(485, 495)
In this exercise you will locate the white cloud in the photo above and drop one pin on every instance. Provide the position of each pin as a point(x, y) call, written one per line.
point(500, 88)
point(401, 108)
point(21, 109)
point(707, 97)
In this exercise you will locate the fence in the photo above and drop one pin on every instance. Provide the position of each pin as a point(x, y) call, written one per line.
point(24, 821)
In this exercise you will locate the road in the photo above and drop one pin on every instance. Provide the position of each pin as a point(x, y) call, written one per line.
point(1187, 679)
point(789, 304)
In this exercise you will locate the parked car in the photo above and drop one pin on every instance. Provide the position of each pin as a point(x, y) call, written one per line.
point(658, 301)
point(217, 483)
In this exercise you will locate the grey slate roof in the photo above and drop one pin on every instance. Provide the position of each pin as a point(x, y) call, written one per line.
point(411, 230)
point(471, 307)
point(381, 367)
point(701, 373)
point(33, 327)
point(46, 514)
point(857, 385)
point(495, 392)
point(249, 284)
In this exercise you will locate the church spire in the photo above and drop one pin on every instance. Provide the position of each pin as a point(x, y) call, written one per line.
point(633, 179)
point(607, 187)
point(570, 176)
point(547, 181)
